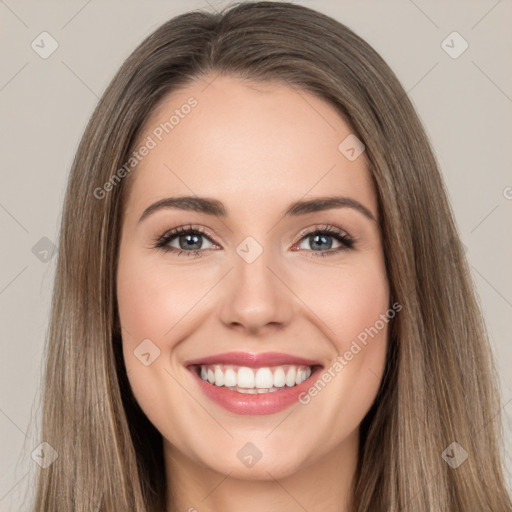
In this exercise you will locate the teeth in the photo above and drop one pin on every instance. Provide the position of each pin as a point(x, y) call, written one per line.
point(245, 378)
point(290, 377)
point(229, 378)
point(251, 380)
point(279, 378)
point(219, 376)
point(264, 378)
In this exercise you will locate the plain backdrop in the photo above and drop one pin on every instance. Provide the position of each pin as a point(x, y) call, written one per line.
point(464, 101)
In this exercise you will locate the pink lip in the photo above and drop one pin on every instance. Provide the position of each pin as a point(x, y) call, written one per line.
point(258, 404)
point(253, 360)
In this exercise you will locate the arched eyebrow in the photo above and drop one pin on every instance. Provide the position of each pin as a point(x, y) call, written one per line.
point(215, 207)
point(319, 204)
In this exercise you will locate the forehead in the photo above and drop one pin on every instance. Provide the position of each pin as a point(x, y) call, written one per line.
point(248, 144)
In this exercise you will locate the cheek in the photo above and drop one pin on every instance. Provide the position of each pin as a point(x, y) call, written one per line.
point(348, 299)
point(364, 301)
point(355, 314)
point(152, 299)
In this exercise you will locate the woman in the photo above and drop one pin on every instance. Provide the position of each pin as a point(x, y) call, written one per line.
point(205, 353)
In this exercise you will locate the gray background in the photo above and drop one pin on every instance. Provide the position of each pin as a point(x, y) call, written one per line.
point(465, 104)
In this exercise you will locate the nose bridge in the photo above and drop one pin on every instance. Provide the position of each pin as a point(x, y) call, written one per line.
point(255, 297)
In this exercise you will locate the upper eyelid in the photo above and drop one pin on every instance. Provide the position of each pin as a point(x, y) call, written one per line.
point(175, 232)
point(333, 230)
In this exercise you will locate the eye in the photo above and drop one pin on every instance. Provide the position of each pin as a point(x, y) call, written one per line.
point(320, 241)
point(184, 240)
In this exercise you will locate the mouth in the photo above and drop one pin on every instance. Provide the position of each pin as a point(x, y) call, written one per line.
point(247, 383)
point(244, 379)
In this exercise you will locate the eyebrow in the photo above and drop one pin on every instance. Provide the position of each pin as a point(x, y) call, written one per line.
point(214, 207)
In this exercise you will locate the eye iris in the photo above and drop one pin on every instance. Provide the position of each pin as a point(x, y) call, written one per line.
point(316, 240)
point(192, 241)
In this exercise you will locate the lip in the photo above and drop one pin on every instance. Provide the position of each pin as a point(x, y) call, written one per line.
point(257, 404)
point(253, 360)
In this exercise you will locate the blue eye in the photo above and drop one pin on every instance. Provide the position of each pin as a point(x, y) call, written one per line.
point(190, 241)
point(323, 237)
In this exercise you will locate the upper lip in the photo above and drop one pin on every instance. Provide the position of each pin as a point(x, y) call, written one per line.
point(253, 360)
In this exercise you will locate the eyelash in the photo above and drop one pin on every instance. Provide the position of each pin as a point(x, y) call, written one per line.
point(161, 242)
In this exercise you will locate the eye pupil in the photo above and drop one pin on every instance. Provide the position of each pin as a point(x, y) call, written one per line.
point(192, 241)
point(319, 239)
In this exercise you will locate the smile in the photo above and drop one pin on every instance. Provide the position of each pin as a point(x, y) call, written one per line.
point(246, 383)
point(254, 380)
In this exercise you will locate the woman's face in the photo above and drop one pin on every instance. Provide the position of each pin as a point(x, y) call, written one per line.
point(265, 285)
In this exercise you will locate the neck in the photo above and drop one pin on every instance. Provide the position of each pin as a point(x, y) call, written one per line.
point(324, 485)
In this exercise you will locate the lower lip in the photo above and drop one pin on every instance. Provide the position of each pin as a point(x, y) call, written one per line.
point(257, 404)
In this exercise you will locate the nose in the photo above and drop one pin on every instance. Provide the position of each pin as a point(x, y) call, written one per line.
point(256, 298)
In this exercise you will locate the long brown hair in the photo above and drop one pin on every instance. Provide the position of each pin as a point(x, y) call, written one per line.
point(440, 385)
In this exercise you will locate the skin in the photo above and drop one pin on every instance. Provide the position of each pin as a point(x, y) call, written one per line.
point(257, 148)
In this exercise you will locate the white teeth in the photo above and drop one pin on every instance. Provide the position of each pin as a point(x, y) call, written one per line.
point(264, 378)
point(250, 391)
point(219, 376)
point(279, 378)
point(245, 377)
point(229, 377)
point(290, 377)
point(251, 380)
